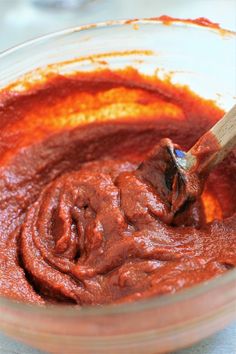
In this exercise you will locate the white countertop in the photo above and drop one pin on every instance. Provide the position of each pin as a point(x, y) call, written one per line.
point(20, 22)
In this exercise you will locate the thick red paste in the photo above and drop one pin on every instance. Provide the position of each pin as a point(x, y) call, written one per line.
point(84, 214)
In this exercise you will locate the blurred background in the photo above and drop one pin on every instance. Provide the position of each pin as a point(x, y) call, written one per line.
point(21, 20)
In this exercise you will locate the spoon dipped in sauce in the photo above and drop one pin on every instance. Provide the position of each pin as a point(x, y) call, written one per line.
point(182, 174)
point(186, 171)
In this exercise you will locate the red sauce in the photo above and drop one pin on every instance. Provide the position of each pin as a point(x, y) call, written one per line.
point(201, 21)
point(84, 214)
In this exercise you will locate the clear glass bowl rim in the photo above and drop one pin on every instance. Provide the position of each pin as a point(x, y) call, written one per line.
point(141, 305)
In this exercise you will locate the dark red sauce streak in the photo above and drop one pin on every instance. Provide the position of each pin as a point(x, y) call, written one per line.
point(201, 21)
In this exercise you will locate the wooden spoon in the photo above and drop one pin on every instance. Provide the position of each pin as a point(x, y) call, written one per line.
point(188, 170)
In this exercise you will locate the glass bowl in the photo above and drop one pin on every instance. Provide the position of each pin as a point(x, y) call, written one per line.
point(202, 58)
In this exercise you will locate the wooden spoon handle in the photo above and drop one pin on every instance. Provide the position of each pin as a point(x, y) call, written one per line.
point(214, 145)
